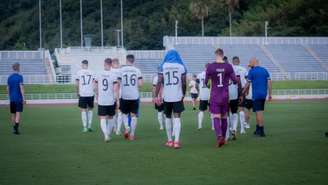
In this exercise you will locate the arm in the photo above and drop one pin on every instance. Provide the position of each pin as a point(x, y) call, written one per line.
point(140, 82)
point(117, 93)
point(270, 89)
point(197, 84)
point(23, 92)
point(95, 86)
point(184, 84)
point(246, 88)
point(158, 88)
point(77, 82)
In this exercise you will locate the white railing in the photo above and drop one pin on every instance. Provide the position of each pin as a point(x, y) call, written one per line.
point(299, 76)
point(21, 54)
point(147, 53)
point(90, 50)
point(28, 79)
point(275, 92)
point(170, 40)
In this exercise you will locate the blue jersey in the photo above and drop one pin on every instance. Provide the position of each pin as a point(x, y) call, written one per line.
point(14, 82)
point(259, 77)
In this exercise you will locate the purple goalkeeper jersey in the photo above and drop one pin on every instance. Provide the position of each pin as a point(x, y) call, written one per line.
point(219, 74)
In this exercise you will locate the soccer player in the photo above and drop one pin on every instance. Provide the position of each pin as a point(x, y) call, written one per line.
point(107, 89)
point(15, 89)
point(193, 91)
point(260, 79)
point(248, 105)
point(172, 78)
point(204, 95)
point(219, 73)
point(118, 116)
point(160, 107)
point(129, 102)
point(85, 91)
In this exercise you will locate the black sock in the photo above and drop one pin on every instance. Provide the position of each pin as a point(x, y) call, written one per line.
point(16, 126)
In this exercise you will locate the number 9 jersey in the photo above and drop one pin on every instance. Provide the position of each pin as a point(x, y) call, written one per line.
point(106, 81)
point(85, 78)
point(172, 72)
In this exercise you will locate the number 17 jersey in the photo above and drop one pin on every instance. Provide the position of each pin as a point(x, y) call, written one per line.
point(219, 74)
point(172, 73)
point(85, 78)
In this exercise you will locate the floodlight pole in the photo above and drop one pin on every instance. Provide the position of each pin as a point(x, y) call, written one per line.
point(81, 23)
point(122, 30)
point(101, 24)
point(40, 25)
point(176, 31)
point(61, 23)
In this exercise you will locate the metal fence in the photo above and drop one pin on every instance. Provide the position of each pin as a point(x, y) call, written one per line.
point(275, 92)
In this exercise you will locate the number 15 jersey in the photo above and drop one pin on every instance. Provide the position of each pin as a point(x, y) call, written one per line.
point(172, 72)
point(85, 78)
point(220, 74)
point(129, 82)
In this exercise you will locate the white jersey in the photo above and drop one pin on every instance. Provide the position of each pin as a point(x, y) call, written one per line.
point(117, 72)
point(249, 95)
point(129, 82)
point(233, 88)
point(242, 72)
point(172, 90)
point(155, 80)
point(204, 91)
point(192, 86)
point(106, 81)
point(85, 78)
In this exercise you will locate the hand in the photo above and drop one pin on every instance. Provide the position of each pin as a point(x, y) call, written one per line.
point(24, 102)
point(182, 98)
point(270, 98)
point(241, 98)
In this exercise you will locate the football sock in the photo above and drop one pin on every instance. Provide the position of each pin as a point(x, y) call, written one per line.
point(134, 121)
point(110, 126)
point(16, 125)
point(160, 119)
point(90, 113)
point(200, 119)
point(103, 126)
point(126, 121)
point(242, 121)
point(177, 129)
point(119, 122)
point(212, 122)
point(227, 135)
point(234, 121)
point(84, 119)
point(217, 127)
point(224, 125)
point(168, 125)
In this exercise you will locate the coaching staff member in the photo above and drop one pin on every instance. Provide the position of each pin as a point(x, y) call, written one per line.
point(15, 91)
point(260, 79)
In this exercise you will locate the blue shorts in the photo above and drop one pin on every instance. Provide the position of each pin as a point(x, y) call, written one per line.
point(258, 105)
point(16, 107)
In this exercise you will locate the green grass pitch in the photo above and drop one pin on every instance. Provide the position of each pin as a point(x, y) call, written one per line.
point(53, 151)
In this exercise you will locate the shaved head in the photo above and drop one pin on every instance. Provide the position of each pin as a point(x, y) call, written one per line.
point(253, 62)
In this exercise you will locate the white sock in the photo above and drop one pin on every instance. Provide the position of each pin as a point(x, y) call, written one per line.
point(234, 121)
point(168, 125)
point(119, 122)
point(126, 122)
point(115, 123)
point(212, 122)
point(200, 119)
point(110, 126)
point(103, 126)
point(84, 119)
point(90, 113)
point(134, 121)
point(176, 129)
point(160, 119)
point(242, 121)
point(228, 128)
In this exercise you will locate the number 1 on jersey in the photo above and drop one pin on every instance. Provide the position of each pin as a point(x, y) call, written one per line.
point(220, 83)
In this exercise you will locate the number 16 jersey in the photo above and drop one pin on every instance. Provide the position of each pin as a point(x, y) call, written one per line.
point(172, 72)
point(129, 83)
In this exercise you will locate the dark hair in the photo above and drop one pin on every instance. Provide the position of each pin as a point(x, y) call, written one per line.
point(219, 51)
point(85, 62)
point(108, 61)
point(225, 59)
point(235, 58)
point(130, 58)
point(16, 66)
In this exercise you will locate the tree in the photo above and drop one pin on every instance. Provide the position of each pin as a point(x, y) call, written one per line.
point(232, 5)
point(199, 10)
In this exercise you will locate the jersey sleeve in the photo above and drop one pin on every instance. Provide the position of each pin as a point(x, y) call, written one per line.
point(267, 75)
point(77, 76)
point(250, 76)
point(139, 75)
point(183, 70)
point(232, 74)
point(21, 80)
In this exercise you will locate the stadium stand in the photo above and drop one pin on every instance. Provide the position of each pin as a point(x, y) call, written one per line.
point(36, 66)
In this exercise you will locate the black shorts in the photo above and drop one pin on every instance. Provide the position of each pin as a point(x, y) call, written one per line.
point(106, 110)
point(203, 104)
point(233, 105)
point(247, 103)
point(194, 95)
point(160, 107)
point(173, 107)
point(86, 102)
point(129, 106)
point(258, 105)
point(16, 107)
